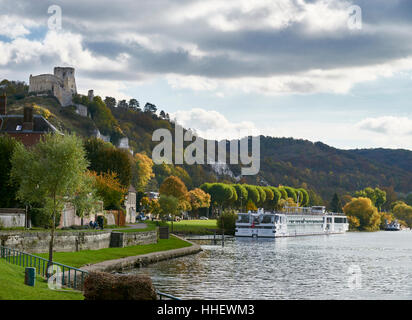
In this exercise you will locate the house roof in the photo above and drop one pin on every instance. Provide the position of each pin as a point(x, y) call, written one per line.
point(132, 189)
point(14, 123)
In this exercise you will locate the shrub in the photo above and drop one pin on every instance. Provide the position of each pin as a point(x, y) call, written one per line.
point(106, 286)
point(227, 221)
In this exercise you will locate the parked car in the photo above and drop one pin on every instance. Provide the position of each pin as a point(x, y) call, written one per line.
point(141, 217)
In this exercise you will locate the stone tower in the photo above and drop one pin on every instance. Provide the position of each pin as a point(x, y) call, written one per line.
point(67, 75)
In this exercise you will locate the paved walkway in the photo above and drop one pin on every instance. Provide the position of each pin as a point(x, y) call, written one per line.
point(129, 226)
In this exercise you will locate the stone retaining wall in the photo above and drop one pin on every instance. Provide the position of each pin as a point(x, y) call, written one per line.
point(142, 260)
point(69, 241)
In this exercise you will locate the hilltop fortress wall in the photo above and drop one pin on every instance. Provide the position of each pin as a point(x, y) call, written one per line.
point(61, 84)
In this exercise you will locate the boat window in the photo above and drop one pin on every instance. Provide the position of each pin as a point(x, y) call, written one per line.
point(267, 219)
point(340, 220)
point(243, 218)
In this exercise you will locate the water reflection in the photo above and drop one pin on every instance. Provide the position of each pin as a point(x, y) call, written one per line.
point(315, 267)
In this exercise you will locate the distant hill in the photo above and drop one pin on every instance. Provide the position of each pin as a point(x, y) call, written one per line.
point(286, 161)
point(328, 170)
point(400, 158)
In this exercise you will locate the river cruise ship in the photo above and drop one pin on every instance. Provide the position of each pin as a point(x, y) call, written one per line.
point(294, 221)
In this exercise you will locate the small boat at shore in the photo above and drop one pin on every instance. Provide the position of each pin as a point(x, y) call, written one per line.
point(392, 226)
point(294, 221)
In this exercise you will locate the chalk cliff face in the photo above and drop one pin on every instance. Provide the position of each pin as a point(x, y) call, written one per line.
point(61, 84)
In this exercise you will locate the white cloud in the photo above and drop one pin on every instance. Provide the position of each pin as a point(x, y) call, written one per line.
point(210, 124)
point(235, 15)
point(388, 125)
point(63, 47)
point(14, 26)
point(339, 81)
point(380, 132)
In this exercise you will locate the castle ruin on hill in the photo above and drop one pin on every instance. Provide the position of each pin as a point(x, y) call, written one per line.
point(61, 84)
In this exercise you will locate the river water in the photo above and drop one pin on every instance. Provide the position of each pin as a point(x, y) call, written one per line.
point(355, 265)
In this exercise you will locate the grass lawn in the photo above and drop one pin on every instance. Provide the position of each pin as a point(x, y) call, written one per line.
point(193, 226)
point(150, 226)
point(81, 258)
point(12, 286)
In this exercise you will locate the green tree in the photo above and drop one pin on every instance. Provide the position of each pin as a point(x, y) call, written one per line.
point(335, 204)
point(169, 205)
point(134, 104)
point(269, 197)
point(276, 198)
point(242, 195)
point(110, 102)
point(86, 200)
point(380, 198)
point(227, 222)
point(262, 196)
point(303, 197)
point(283, 193)
point(253, 194)
point(150, 108)
point(291, 193)
point(50, 172)
point(122, 104)
point(8, 189)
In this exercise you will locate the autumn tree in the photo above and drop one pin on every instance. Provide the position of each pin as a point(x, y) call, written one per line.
point(142, 171)
point(198, 199)
point(103, 157)
point(173, 186)
point(403, 212)
point(109, 189)
point(365, 212)
point(377, 196)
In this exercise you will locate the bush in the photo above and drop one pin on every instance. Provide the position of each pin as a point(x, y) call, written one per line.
point(106, 286)
point(227, 221)
point(40, 219)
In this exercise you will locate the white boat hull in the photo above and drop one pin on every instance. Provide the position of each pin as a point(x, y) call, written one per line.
point(290, 225)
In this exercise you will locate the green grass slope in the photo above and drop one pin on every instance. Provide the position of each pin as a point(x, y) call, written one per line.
point(12, 286)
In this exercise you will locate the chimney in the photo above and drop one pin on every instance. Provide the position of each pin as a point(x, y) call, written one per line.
point(3, 103)
point(28, 119)
point(90, 95)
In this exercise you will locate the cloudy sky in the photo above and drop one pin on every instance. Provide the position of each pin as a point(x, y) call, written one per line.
point(293, 68)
